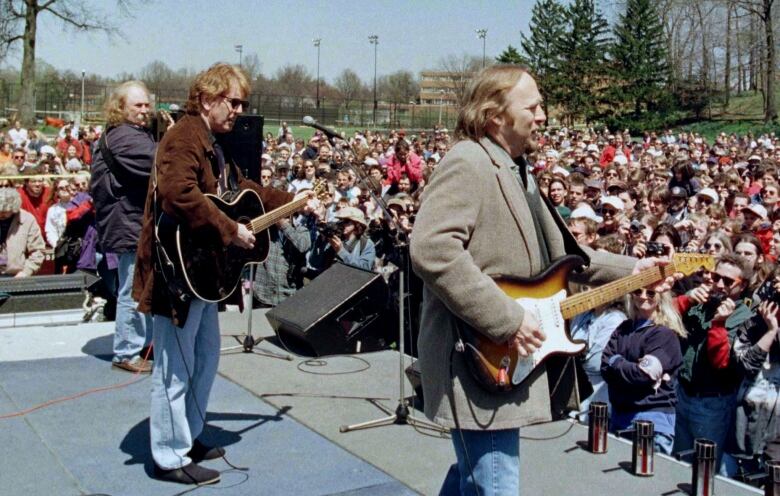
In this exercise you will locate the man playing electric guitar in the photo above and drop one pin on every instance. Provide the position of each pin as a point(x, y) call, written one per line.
point(499, 225)
point(190, 164)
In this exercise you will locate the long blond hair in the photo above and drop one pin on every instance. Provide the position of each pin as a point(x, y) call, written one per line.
point(486, 98)
point(665, 313)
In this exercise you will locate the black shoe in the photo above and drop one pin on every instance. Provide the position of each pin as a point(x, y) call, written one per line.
point(189, 474)
point(147, 350)
point(200, 452)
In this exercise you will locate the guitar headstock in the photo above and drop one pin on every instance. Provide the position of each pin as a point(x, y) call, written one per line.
point(320, 188)
point(688, 263)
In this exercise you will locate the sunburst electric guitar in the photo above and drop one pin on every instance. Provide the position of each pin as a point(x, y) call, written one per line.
point(498, 367)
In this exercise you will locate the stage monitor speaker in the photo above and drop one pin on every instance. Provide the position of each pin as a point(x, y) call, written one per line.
point(244, 145)
point(344, 310)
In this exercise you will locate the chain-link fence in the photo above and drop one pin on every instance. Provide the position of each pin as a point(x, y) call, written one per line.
point(64, 101)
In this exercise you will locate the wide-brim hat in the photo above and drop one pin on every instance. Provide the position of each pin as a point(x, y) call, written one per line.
point(353, 214)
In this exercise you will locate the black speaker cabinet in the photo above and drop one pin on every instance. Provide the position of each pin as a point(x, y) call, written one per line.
point(344, 310)
point(244, 145)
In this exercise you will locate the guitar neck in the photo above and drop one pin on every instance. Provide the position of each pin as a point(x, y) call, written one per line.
point(263, 222)
point(588, 300)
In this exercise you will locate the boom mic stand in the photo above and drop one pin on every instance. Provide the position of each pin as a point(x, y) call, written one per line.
point(402, 414)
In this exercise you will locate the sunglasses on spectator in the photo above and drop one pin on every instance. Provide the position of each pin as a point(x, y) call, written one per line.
point(717, 246)
point(18, 157)
point(608, 211)
point(639, 293)
point(727, 281)
point(264, 176)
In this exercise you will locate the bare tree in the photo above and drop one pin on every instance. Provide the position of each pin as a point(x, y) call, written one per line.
point(19, 23)
point(294, 80)
point(461, 69)
point(398, 87)
point(762, 9)
point(252, 65)
point(156, 74)
point(349, 86)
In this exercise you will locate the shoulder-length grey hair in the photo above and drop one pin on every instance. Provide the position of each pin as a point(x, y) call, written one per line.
point(486, 98)
point(116, 102)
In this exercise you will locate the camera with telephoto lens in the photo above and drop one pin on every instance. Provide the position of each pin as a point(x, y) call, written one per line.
point(656, 249)
point(767, 291)
point(330, 229)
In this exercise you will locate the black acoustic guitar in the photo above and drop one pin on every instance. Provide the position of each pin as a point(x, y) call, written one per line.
point(197, 262)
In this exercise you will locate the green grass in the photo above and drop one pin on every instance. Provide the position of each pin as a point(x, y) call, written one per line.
point(711, 129)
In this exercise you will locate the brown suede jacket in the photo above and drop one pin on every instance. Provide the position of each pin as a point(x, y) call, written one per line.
point(186, 168)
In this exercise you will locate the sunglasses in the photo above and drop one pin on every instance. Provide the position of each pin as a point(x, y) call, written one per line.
point(639, 293)
point(235, 102)
point(717, 246)
point(18, 157)
point(727, 281)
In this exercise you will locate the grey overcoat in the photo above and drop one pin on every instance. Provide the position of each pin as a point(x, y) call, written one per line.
point(474, 222)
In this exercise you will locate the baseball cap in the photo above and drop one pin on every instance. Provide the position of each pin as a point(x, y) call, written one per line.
point(679, 192)
point(757, 209)
point(585, 212)
point(613, 201)
point(709, 192)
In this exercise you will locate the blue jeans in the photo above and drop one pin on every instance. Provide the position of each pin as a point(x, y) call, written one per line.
point(708, 417)
point(185, 365)
point(488, 460)
point(133, 329)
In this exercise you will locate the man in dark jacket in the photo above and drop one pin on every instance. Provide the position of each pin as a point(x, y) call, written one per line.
point(190, 164)
point(120, 177)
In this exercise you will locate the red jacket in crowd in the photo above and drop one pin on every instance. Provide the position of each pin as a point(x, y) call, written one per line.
point(412, 168)
point(38, 206)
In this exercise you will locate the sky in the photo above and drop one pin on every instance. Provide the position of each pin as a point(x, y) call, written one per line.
point(413, 35)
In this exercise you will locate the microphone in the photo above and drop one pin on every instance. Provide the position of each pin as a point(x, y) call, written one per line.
point(330, 133)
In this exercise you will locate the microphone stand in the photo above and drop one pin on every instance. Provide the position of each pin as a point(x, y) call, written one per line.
point(402, 414)
point(247, 344)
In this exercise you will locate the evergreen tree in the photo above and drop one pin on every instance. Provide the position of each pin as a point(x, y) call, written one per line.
point(510, 56)
point(580, 75)
point(547, 27)
point(639, 60)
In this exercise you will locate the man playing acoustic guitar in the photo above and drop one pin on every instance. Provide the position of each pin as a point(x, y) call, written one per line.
point(190, 164)
point(498, 225)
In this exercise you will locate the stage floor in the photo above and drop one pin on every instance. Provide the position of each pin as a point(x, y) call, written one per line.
point(278, 418)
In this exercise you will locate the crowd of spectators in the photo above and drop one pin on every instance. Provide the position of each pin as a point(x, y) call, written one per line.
point(707, 362)
point(56, 195)
point(716, 372)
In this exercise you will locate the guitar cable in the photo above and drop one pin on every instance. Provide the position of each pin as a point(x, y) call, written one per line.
point(157, 248)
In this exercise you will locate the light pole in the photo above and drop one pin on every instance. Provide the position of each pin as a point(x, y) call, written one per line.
point(240, 50)
point(374, 40)
point(441, 104)
point(317, 44)
point(83, 74)
point(482, 33)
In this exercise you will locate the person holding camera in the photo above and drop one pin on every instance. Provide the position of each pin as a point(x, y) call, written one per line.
point(344, 241)
point(708, 381)
point(753, 436)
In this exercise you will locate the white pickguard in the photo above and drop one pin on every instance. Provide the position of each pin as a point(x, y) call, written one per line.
point(552, 323)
